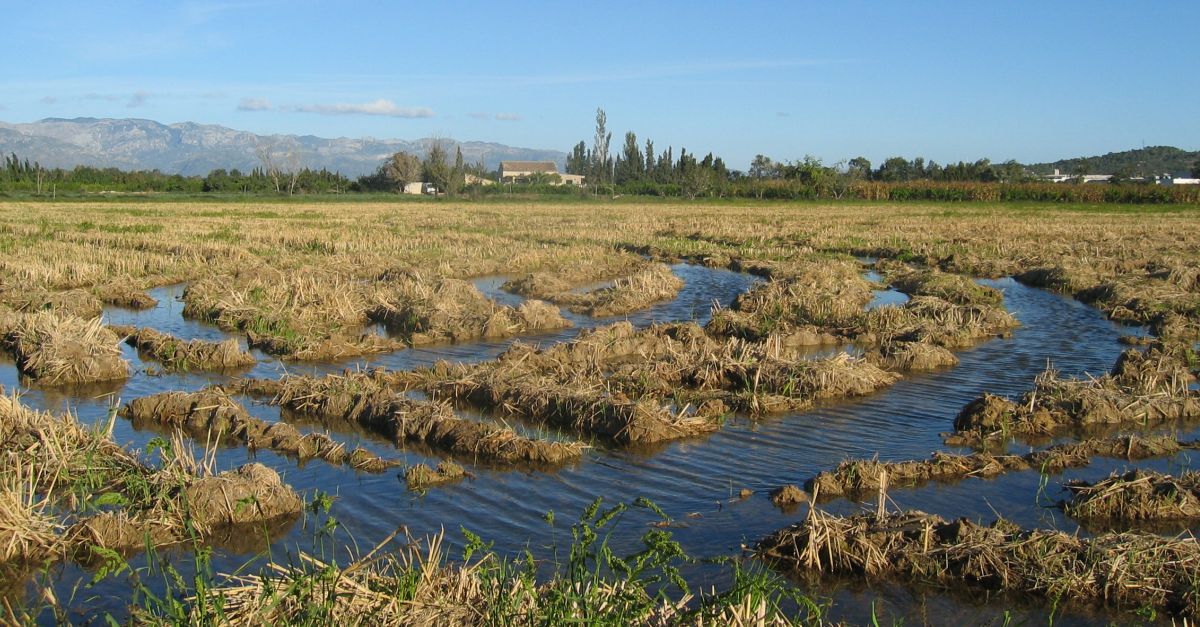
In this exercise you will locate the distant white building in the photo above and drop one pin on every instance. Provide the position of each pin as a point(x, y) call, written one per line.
point(1059, 177)
point(521, 171)
point(1171, 180)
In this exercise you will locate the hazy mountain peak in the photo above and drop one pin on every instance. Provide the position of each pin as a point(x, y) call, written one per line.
point(196, 148)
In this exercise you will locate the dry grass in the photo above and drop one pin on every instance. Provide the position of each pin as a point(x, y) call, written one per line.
point(366, 400)
point(626, 294)
point(60, 349)
point(861, 477)
point(453, 310)
point(1144, 387)
point(1129, 570)
point(211, 415)
point(1136, 496)
point(178, 355)
point(62, 469)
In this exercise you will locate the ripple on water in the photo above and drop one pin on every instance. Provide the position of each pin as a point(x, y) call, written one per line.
point(700, 477)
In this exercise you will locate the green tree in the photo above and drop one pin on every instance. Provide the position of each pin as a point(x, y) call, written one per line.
point(401, 169)
point(458, 175)
point(630, 168)
point(858, 168)
point(435, 170)
point(579, 159)
point(601, 172)
point(1196, 169)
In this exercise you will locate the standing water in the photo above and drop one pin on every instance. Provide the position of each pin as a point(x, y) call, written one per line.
point(697, 481)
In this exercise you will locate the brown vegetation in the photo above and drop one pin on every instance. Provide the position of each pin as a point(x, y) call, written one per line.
point(1136, 496)
point(61, 349)
point(860, 477)
point(211, 414)
point(1144, 387)
point(453, 310)
point(1130, 570)
point(59, 469)
point(626, 294)
point(184, 355)
point(362, 399)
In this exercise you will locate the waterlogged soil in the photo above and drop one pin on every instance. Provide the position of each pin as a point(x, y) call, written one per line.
point(699, 482)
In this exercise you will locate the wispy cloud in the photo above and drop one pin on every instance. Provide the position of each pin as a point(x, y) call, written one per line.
point(477, 115)
point(508, 117)
point(375, 107)
point(137, 99)
point(782, 114)
point(47, 100)
point(254, 104)
point(103, 97)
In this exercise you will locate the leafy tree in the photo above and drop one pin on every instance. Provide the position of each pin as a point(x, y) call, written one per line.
point(579, 159)
point(434, 170)
point(1196, 169)
point(630, 167)
point(858, 168)
point(401, 169)
point(458, 175)
point(601, 172)
point(762, 167)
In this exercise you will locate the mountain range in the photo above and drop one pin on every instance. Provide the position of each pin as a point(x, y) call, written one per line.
point(196, 149)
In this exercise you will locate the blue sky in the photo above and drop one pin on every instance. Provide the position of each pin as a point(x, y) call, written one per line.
point(1032, 81)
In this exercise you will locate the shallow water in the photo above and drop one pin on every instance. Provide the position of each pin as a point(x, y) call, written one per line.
point(699, 477)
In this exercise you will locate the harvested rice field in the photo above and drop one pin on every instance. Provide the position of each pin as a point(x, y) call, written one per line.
point(405, 413)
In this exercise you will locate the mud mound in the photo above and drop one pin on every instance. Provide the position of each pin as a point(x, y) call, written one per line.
point(1117, 569)
point(1144, 388)
point(120, 532)
point(452, 310)
point(910, 356)
point(1134, 496)
point(211, 413)
point(125, 295)
point(421, 476)
point(788, 495)
point(856, 478)
point(952, 288)
point(181, 356)
point(57, 349)
point(365, 400)
point(626, 294)
point(250, 493)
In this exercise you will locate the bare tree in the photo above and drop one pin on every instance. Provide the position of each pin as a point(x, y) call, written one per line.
point(292, 157)
point(266, 156)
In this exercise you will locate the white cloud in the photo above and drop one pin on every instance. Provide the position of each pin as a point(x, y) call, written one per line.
point(48, 100)
point(254, 104)
point(477, 115)
point(375, 107)
point(508, 117)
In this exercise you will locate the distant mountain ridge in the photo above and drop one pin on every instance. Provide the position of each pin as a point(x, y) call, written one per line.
point(1147, 161)
point(197, 149)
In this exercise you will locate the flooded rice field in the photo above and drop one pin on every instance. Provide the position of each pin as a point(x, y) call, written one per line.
point(715, 486)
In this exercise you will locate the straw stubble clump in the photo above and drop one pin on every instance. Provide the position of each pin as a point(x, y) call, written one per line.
point(1135, 496)
point(211, 414)
point(178, 355)
point(1114, 569)
point(68, 470)
point(1144, 387)
point(367, 401)
point(61, 349)
point(856, 478)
